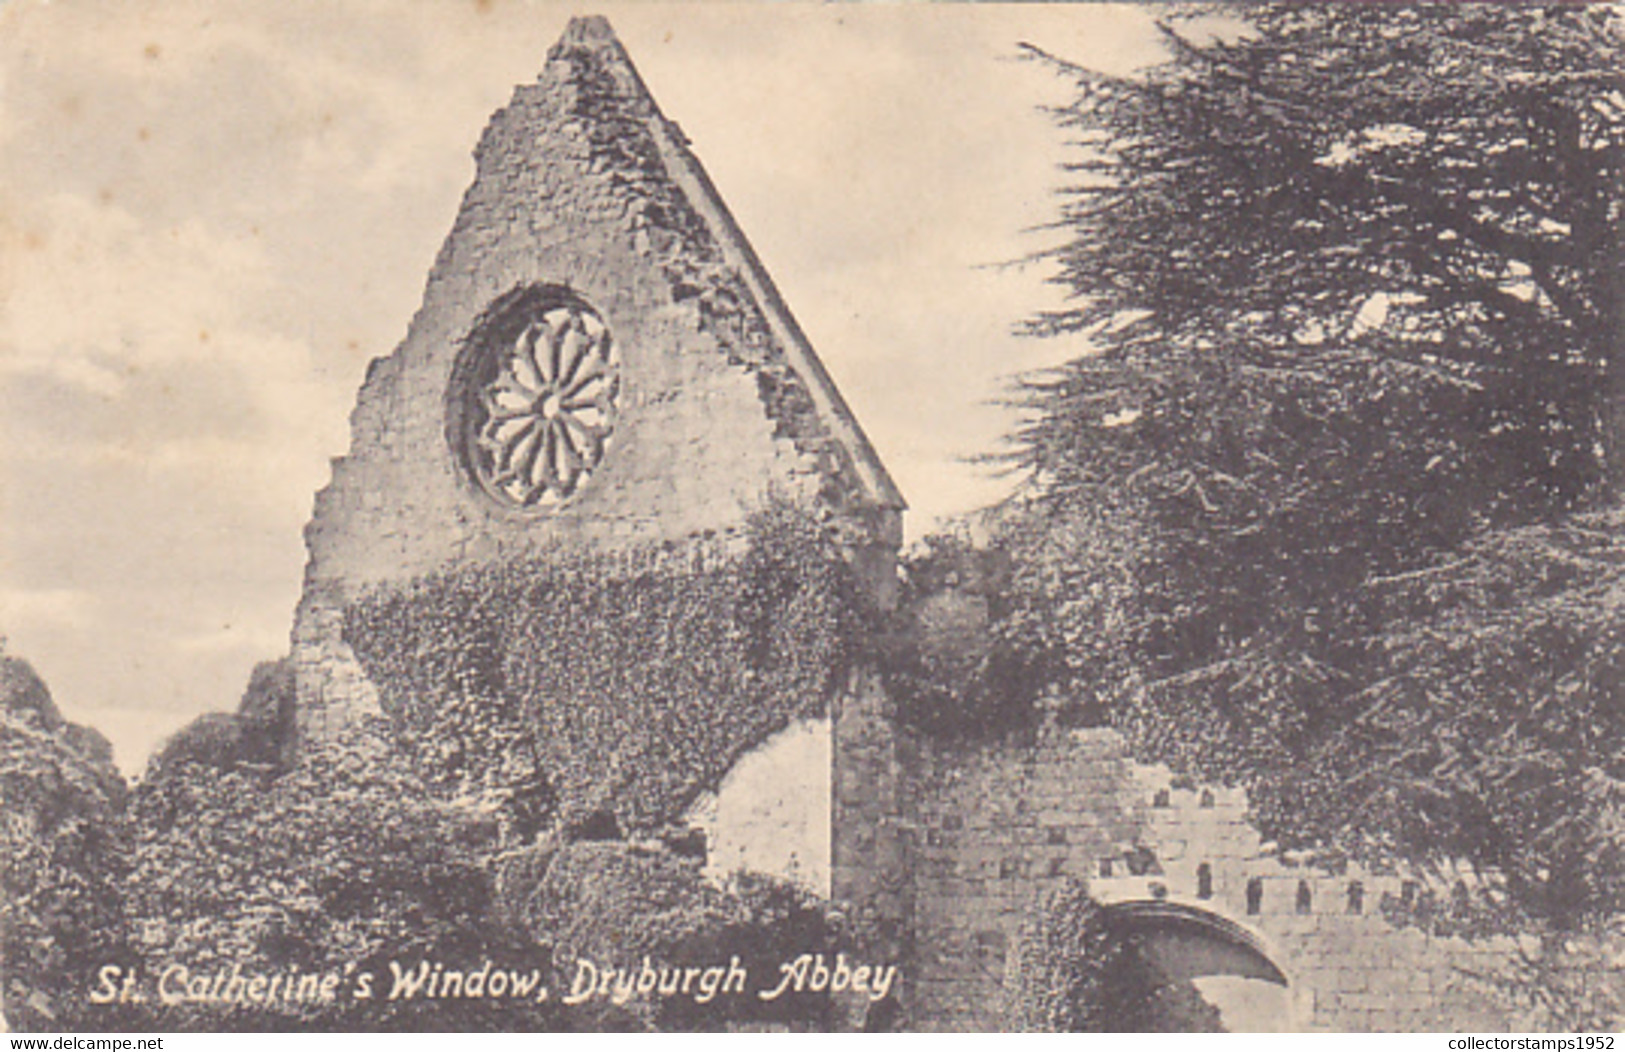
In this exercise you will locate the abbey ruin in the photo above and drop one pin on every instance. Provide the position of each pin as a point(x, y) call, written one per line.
point(601, 363)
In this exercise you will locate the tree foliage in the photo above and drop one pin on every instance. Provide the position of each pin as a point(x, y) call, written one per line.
point(340, 865)
point(618, 904)
point(62, 838)
point(1326, 508)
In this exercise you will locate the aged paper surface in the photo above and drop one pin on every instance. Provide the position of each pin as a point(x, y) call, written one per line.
point(714, 270)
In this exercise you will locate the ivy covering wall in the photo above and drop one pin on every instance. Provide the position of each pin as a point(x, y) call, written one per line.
point(590, 686)
point(1078, 971)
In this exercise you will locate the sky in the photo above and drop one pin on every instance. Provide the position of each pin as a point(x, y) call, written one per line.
point(213, 215)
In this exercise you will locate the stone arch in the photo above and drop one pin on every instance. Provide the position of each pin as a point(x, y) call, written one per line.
point(1203, 954)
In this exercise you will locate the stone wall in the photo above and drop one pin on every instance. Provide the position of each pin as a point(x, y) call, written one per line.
point(771, 812)
point(998, 827)
point(582, 185)
point(872, 816)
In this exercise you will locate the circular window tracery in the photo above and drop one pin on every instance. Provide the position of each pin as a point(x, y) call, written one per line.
point(539, 405)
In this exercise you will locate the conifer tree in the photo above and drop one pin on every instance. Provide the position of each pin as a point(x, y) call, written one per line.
point(1332, 508)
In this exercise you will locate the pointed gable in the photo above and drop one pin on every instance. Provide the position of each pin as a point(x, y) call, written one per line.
point(600, 360)
point(593, 34)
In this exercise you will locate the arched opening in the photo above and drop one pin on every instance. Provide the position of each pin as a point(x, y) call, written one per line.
point(1216, 974)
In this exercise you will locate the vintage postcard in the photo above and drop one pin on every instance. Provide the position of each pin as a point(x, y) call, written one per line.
point(899, 517)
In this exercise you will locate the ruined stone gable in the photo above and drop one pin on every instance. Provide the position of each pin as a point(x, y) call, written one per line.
point(601, 364)
point(591, 244)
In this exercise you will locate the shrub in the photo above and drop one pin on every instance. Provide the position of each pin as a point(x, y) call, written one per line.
point(1067, 957)
point(61, 856)
point(614, 904)
point(340, 865)
point(1080, 973)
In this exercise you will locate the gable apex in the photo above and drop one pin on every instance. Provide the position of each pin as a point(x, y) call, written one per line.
point(593, 33)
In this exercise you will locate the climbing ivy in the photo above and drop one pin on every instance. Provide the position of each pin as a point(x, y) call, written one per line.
point(956, 658)
point(586, 685)
point(1079, 972)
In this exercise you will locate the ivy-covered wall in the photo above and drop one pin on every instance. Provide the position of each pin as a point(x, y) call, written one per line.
point(581, 185)
point(585, 689)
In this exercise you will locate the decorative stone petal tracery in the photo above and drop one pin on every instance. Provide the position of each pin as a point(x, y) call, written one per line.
point(545, 416)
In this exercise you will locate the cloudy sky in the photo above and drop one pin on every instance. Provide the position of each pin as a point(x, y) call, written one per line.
point(212, 215)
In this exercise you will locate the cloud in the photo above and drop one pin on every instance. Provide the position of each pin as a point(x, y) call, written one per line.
point(215, 211)
point(122, 340)
point(159, 446)
point(93, 284)
point(63, 607)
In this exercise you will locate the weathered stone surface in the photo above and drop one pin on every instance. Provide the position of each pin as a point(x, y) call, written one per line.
point(582, 185)
point(771, 812)
point(1000, 826)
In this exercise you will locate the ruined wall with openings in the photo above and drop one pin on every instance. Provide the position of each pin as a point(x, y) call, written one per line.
point(997, 827)
point(585, 196)
point(771, 812)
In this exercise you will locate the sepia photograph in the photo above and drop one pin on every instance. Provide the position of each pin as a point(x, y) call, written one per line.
point(812, 518)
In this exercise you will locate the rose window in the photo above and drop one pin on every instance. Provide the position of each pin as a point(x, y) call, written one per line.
point(542, 408)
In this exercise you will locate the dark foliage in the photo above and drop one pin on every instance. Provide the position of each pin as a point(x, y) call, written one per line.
point(1325, 512)
point(268, 703)
point(953, 654)
point(219, 740)
point(61, 856)
point(340, 865)
point(256, 735)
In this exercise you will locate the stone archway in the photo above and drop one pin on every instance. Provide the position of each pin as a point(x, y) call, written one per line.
point(1217, 974)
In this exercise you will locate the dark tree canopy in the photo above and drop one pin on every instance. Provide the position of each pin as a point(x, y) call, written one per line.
point(62, 841)
point(1327, 509)
point(1425, 202)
